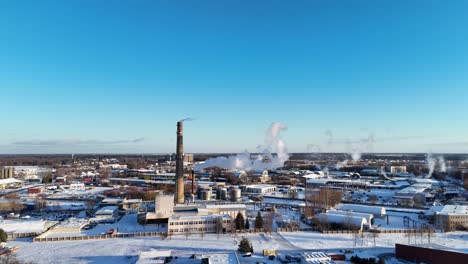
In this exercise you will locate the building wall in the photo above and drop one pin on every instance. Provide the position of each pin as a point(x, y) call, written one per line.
point(199, 225)
point(428, 255)
point(451, 222)
point(164, 204)
point(395, 169)
point(260, 190)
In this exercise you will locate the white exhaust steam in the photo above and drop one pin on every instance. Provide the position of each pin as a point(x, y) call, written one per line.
point(341, 164)
point(356, 149)
point(443, 166)
point(432, 161)
point(264, 161)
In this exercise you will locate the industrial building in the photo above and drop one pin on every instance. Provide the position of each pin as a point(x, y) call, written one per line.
point(258, 189)
point(10, 183)
point(451, 217)
point(193, 218)
point(430, 254)
point(350, 220)
point(107, 214)
point(377, 211)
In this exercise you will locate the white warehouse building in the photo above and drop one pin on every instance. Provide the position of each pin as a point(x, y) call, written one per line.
point(355, 222)
point(375, 210)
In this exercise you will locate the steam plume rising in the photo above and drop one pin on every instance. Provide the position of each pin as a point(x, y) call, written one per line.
point(341, 164)
point(187, 119)
point(443, 166)
point(264, 161)
point(431, 162)
point(357, 148)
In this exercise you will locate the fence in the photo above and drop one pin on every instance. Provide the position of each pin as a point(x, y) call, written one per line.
point(73, 238)
point(21, 235)
point(384, 231)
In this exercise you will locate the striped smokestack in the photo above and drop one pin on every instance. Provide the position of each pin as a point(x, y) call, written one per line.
point(179, 197)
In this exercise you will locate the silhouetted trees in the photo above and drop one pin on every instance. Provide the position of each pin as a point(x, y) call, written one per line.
point(245, 246)
point(258, 221)
point(239, 221)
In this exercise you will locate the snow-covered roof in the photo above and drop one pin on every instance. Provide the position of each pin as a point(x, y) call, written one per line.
point(23, 226)
point(325, 181)
point(454, 210)
point(417, 188)
point(226, 206)
point(72, 222)
point(376, 210)
point(260, 186)
point(9, 181)
point(350, 213)
point(428, 181)
point(107, 210)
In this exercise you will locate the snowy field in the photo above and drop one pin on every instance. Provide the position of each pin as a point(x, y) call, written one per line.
point(127, 224)
point(126, 250)
point(314, 240)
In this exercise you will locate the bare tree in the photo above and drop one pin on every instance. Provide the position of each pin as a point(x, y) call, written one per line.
point(408, 235)
point(202, 233)
point(219, 226)
point(356, 237)
point(374, 235)
point(269, 222)
point(233, 228)
point(187, 232)
point(372, 199)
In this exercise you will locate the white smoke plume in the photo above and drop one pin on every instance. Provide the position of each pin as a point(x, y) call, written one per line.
point(264, 161)
point(431, 162)
point(341, 164)
point(355, 149)
point(443, 166)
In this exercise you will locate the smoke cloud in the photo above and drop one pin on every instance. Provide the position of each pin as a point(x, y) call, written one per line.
point(341, 164)
point(431, 162)
point(187, 119)
point(355, 149)
point(443, 166)
point(264, 161)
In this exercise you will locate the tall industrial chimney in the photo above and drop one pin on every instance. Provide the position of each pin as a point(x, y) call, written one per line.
point(179, 197)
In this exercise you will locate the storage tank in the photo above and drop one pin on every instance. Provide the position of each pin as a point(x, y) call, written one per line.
point(236, 195)
point(204, 194)
point(221, 194)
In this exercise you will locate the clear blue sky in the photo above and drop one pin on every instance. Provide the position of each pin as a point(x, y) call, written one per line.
point(115, 76)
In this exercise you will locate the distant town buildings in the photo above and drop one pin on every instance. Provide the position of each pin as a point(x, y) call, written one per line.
point(397, 169)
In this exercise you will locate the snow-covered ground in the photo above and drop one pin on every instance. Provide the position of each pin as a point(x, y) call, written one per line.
point(127, 224)
point(126, 250)
point(395, 220)
point(315, 240)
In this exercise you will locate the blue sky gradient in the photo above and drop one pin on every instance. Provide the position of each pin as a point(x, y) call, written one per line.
point(115, 76)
